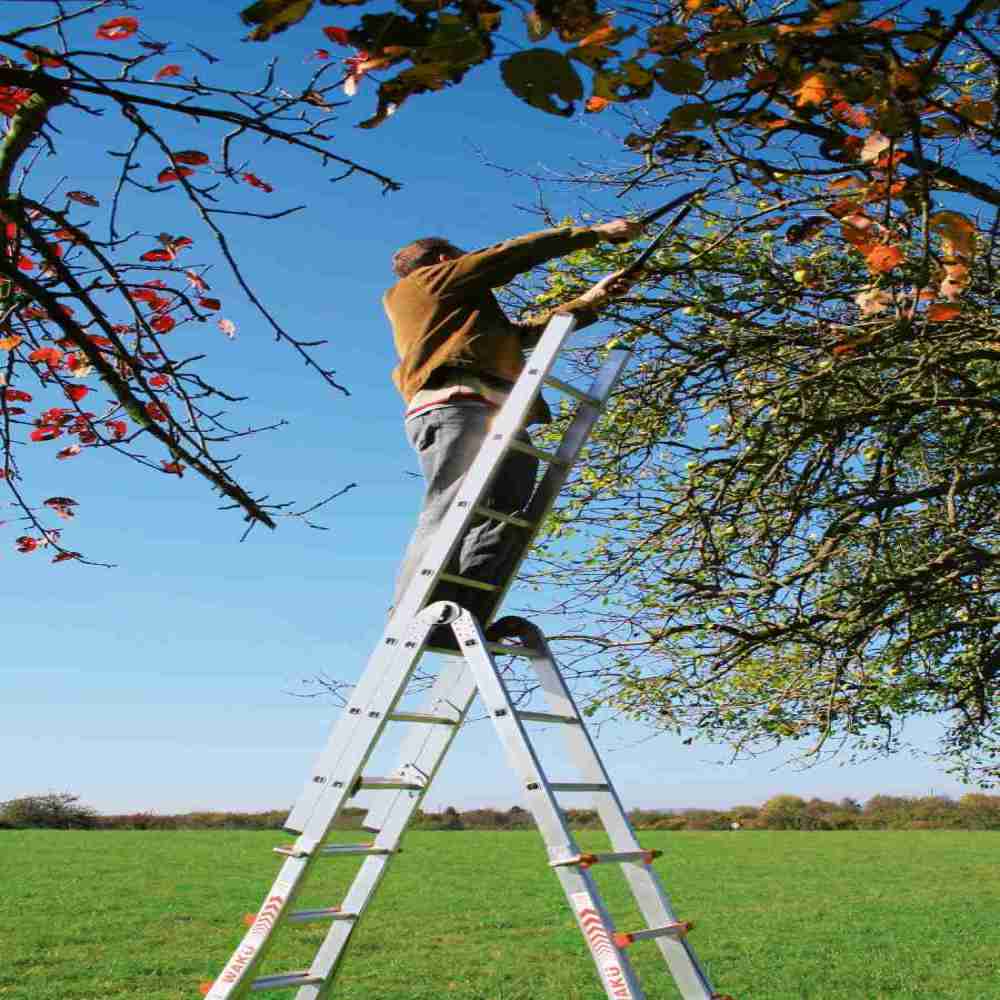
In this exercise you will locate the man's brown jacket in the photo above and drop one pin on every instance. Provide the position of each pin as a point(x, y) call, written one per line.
point(444, 316)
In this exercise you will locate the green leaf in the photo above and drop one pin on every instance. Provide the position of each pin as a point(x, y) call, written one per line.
point(274, 16)
point(538, 75)
point(678, 76)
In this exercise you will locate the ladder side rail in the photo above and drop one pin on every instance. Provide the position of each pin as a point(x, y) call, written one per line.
point(507, 423)
point(595, 922)
point(456, 686)
point(234, 981)
point(339, 765)
point(568, 452)
point(475, 485)
point(650, 895)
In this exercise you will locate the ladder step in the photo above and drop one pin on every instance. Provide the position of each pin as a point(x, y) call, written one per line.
point(569, 720)
point(437, 720)
point(543, 456)
point(386, 784)
point(577, 786)
point(496, 515)
point(291, 851)
point(464, 581)
point(326, 913)
point(572, 390)
point(287, 980)
point(676, 929)
point(505, 650)
point(605, 857)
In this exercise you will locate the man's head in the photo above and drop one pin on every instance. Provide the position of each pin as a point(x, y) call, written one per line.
point(420, 253)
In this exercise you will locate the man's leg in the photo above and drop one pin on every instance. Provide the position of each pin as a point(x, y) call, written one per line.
point(446, 441)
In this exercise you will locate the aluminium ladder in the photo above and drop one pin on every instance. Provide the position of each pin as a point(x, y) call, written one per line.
point(337, 774)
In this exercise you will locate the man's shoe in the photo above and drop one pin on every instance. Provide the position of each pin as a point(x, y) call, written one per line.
point(442, 637)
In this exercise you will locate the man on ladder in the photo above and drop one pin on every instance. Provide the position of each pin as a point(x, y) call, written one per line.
point(459, 356)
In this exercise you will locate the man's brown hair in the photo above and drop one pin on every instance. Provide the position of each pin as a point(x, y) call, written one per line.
point(420, 253)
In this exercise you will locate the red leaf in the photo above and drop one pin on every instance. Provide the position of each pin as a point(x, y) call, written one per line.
point(156, 411)
point(212, 304)
point(159, 381)
point(254, 181)
point(941, 313)
point(58, 415)
point(63, 506)
point(26, 543)
point(181, 241)
point(174, 468)
point(73, 449)
point(196, 281)
point(228, 327)
point(339, 35)
point(16, 396)
point(155, 256)
point(170, 175)
point(76, 392)
point(171, 70)
point(25, 263)
point(163, 324)
point(45, 433)
point(51, 356)
point(883, 24)
point(83, 198)
point(595, 104)
point(42, 56)
point(118, 29)
point(321, 55)
point(63, 556)
point(884, 258)
point(117, 427)
point(192, 157)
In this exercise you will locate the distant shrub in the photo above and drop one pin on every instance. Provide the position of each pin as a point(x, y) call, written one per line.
point(53, 810)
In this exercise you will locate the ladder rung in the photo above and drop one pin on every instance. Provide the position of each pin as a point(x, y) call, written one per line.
point(437, 720)
point(326, 913)
point(291, 851)
point(496, 515)
point(571, 390)
point(548, 717)
point(530, 449)
point(464, 581)
point(605, 857)
point(286, 980)
point(526, 651)
point(386, 784)
point(676, 929)
point(577, 786)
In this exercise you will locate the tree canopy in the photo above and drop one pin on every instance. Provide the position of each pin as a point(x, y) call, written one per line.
point(787, 526)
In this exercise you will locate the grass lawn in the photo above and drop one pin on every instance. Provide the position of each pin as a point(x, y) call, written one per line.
point(837, 916)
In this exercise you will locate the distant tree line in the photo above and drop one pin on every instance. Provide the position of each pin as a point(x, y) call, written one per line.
point(974, 811)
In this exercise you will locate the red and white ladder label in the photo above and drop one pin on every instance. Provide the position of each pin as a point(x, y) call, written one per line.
point(601, 946)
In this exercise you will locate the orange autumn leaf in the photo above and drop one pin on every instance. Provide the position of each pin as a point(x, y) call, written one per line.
point(940, 312)
point(883, 257)
point(814, 88)
point(595, 104)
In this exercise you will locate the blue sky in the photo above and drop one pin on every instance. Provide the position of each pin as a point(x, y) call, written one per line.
point(168, 683)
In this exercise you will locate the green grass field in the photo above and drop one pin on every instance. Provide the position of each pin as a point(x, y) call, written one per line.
point(838, 916)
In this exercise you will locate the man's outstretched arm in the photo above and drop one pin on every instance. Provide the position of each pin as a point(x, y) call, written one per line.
point(497, 265)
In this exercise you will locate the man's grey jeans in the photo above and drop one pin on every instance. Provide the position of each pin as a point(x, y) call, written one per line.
point(446, 441)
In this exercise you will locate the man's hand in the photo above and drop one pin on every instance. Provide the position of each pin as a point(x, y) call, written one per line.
point(619, 231)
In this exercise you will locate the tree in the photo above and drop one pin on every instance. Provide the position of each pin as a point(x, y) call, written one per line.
point(93, 309)
point(786, 526)
point(53, 810)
